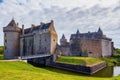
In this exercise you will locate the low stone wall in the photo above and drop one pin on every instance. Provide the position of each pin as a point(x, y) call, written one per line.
point(49, 61)
point(79, 68)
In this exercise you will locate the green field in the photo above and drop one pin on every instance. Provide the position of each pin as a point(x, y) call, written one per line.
point(87, 61)
point(24, 71)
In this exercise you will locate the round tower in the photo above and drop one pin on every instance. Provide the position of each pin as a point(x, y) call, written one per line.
point(11, 40)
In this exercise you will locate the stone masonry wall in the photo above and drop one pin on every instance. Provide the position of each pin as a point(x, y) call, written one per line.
point(65, 51)
point(106, 48)
point(91, 47)
point(12, 45)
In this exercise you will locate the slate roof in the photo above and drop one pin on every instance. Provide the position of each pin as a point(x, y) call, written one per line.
point(63, 36)
point(12, 23)
point(90, 35)
point(39, 27)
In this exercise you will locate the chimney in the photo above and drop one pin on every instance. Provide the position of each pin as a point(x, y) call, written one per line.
point(41, 24)
point(17, 23)
point(32, 25)
point(52, 21)
point(22, 29)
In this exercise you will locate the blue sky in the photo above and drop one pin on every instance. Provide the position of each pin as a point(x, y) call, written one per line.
point(85, 15)
point(1, 1)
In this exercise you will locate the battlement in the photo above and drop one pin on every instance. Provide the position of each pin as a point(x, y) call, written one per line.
point(12, 29)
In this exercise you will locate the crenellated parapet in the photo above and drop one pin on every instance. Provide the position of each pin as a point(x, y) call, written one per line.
point(12, 29)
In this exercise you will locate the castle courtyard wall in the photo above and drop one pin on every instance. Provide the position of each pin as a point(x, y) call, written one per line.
point(65, 51)
point(91, 47)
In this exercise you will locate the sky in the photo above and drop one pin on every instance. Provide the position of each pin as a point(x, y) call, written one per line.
point(68, 16)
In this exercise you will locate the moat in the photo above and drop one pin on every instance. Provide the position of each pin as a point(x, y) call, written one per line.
point(109, 71)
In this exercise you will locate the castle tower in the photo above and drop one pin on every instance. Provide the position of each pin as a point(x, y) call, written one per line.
point(100, 31)
point(11, 40)
point(77, 31)
point(63, 40)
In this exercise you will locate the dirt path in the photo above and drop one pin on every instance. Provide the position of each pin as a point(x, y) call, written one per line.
point(14, 60)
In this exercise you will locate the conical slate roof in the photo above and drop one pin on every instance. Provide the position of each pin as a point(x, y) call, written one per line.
point(63, 36)
point(77, 31)
point(12, 23)
point(99, 30)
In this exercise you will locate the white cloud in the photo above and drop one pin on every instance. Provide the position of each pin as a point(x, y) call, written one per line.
point(86, 15)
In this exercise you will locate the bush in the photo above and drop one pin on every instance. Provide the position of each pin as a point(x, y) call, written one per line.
point(1, 49)
point(117, 51)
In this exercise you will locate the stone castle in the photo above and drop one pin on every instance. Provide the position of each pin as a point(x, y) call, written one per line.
point(43, 39)
point(93, 44)
point(35, 40)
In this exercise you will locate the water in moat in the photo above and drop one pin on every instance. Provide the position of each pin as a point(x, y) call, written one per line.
point(109, 71)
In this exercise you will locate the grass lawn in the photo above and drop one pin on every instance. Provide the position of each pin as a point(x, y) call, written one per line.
point(24, 71)
point(79, 60)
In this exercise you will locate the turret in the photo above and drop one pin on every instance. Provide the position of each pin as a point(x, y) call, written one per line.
point(77, 31)
point(100, 31)
point(63, 40)
point(11, 40)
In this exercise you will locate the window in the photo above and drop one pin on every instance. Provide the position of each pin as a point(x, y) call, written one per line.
point(5, 34)
point(45, 39)
point(90, 52)
point(5, 41)
point(45, 48)
point(5, 47)
point(54, 40)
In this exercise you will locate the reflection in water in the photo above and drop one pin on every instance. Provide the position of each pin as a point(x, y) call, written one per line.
point(106, 72)
point(116, 71)
point(109, 71)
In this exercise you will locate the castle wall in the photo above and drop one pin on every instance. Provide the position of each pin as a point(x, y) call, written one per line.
point(106, 48)
point(36, 49)
point(91, 47)
point(26, 45)
point(65, 51)
point(44, 42)
point(53, 41)
point(75, 47)
point(12, 45)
